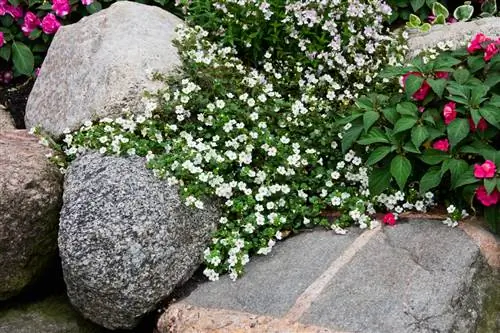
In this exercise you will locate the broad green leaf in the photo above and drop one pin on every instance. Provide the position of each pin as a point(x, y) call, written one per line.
point(433, 156)
point(489, 6)
point(390, 114)
point(369, 118)
point(365, 103)
point(475, 115)
point(475, 63)
point(491, 114)
point(437, 86)
point(404, 124)
point(413, 83)
point(378, 154)
point(458, 90)
point(461, 75)
point(417, 4)
point(490, 184)
point(457, 168)
point(463, 13)
point(492, 80)
point(444, 62)
point(430, 180)
point(418, 135)
point(492, 217)
point(439, 9)
point(410, 147)
point(400, 170)
point(379, 181)
point(350, 136)
point(477, 95)
point(457, 130)
point(407, 109)
point(22, 58)
point(466, 178)
point(5, 52)
point(374, 135)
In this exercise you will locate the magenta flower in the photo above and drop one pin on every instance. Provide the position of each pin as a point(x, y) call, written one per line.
point(490, 51)
point(61, 7)
point(422, 92)
point(485, 198)
point(475, 44)
point(442, 145)
point(50, 24)
point(485, 170)
point(87, 2)
point(31, 22)
point(15, 12)
point(389, 219)
point(449, 112)
point(2, 39)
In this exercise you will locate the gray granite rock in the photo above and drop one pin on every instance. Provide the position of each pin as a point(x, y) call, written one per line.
point(30, 200)
point(126, 239)
point(459, 33)
point(6, 121)
point(102, 65)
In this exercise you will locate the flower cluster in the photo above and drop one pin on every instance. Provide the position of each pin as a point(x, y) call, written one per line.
point(483, 43)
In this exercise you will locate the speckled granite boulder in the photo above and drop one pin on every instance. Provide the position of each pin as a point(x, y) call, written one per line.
point(102, 65)
point(126, 239)
point(30, 200)
point(6, 121)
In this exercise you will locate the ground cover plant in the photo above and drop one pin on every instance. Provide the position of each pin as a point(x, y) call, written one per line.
point(271, 133)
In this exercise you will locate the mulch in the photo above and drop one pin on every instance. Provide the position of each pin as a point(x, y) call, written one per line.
point(14, 97)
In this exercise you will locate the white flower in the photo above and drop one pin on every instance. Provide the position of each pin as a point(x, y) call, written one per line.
point(451, 209)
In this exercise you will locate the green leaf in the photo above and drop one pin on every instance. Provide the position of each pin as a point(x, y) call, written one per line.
point(350, 136)
point(374, 135)
point(430, 180)
point(425, 27)
point(461, 75)
point(379, 181)
point(466, 178)
point(491, 114)
point(475, 63)
point(433, 156)
point(439, 9)
point(489, 6)
point(400, 170)
point(492, 80)
point(369, 118)
point(458, 90)
point(492, 217)
point(365, 103)
point(410, 147)
point(404, 124)
point(457, 130)
point(412, 84)
point(463, 13)
point(417, 4)
point(414, 21)
point(390, 114)
point(378, 154)
point(22, 58)
point(94, 7)
point(444, 61)
point(477, 95)
point(490, 185)
point(407, 109)
point(457, 168)
point(440, 19)
point(418, 135)
point(5, 52)
point(437, 86)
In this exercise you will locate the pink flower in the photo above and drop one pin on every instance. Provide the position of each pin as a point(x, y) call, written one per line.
point(50, 24)
point(485, 198)
point(449, 112)
point(482, 125)
point(485, 170)
point(37, 71)
point(421, 109)
point(31, 22)
point(61, 7)
point(442, 75)
point(475, 44)
point(422, 92)
point(87, 2)
point(442, 145)
point(15, 12)
point(389, 219)
point(490, 51)
point(2, 39)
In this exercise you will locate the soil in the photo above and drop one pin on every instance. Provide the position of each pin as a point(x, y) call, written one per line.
point(14, 97)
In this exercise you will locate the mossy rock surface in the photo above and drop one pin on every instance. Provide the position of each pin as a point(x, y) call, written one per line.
point(53, 314)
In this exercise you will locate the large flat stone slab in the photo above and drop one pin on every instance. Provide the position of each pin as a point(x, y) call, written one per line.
point(272, 283)
point(414, 277)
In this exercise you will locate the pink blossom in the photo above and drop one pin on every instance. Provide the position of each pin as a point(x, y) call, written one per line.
point(449, 112)
point(421, 109)
point(442, 145)
point(442, 75)
point(485, 198)
point(2, 39)
point(50, 24)
point(37, 71)
point(482, 125)
point(475, 44)
point(485, 170)
point(61, 7)
point(389, 219)
point(15, 12)
point(87, 2)
point(31, 22)
point(490, 51)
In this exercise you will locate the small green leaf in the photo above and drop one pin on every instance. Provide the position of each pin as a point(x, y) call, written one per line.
point(400, 170)
point(379, 181)
point(5, 52)
point(466, 178)
point(418, 135)
point(463, 13)
point(491, 114)
point(350, 136)
point(440, 19)
point(414, 21)
point(407, 109)
point(364, 103)
point(412, 84)
point(439, 9)
point(425, 27)
point(489, 6)
point(457, 168)
point(369, 118)
point(461, 75)
point(404, 124)
point(374, 135)
point(22, 58)
point(433, 156)
point(457, 130)
point(490, 185)
point(378, 154)
point(390, 114)
point(417, 4)
point(476, 63)
point(492, 217)
point(438, 86)
point(430, 180)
